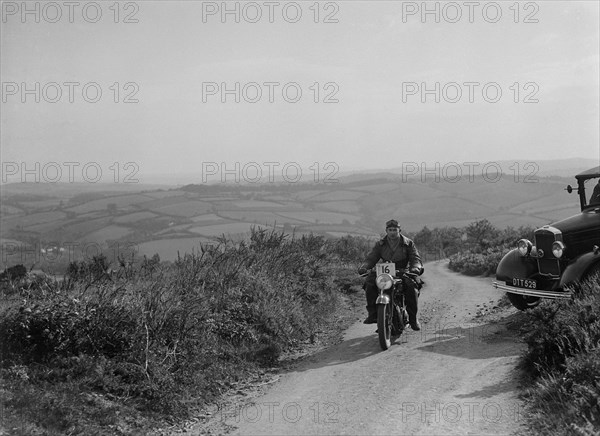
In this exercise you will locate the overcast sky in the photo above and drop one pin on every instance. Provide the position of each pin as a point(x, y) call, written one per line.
point(370, 60)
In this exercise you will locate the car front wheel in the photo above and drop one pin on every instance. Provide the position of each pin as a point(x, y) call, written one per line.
point(523, 302)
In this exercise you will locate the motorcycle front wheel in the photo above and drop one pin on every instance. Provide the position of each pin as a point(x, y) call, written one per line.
point(384, 325)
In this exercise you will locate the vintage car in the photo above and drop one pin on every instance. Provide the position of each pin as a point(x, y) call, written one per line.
point(562, 253)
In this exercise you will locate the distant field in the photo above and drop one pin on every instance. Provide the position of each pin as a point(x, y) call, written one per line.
point(340, 206)
point(173, 229)
point(420, 191)
point(167, 248)
point(87, 227)
point(46, 228)
point(276, 198)
point(185, 209)
point(206, 217)
point(219, 229)
point(555, 213)
point(163, 194)
point(259, 217)
point(92, 215)
point(382, 187)
point(164, 202)
point(305, 195)
point(133, 217)
point(68, 190)
point(9, 210)
point(333, 228)
point(338, 196)
point(102, 204)
point(321, 217)
point(32, 219)
point(337, 234)
point(559, 200)
point(507, 192)
point(42, 204)
point(450, 209)
point(222, 197)
point(255, 204)
point(253, 216)
point(9, 241)
point(109, 232)
point(342, 234)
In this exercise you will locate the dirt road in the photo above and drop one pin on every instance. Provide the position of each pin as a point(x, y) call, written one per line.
point(455, 376)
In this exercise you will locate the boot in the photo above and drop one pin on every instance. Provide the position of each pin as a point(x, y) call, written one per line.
point(372, 317)
point(371, 293)
point(411, 296)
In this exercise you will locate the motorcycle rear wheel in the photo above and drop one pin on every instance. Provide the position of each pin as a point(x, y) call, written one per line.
point(384, 325)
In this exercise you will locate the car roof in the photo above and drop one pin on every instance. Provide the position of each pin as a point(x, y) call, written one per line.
point(589, 174)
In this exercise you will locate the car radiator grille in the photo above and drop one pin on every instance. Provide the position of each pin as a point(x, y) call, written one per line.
point(547, 264)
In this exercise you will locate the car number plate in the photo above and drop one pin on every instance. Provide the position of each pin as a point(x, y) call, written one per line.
point(524, 283)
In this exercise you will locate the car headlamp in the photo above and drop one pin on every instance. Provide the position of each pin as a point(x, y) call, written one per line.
point(384, 281)
point(558, 249)
point(524, 246)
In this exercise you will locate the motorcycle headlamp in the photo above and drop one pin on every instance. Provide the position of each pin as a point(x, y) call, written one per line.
point(384, 281)
point(558, 249)
point(524, 246)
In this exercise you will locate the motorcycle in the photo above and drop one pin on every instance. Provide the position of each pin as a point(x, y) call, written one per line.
point(392, 317)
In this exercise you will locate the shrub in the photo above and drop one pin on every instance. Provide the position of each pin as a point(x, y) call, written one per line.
point(561, 329)
point(568, 402)
point(474, 264)
point(169, 336)
point(563, 358)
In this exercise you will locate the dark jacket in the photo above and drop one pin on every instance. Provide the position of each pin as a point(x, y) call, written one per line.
point(405, 256)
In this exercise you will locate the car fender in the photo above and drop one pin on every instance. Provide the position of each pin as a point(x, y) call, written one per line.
point(513, 264)
point(578, 267)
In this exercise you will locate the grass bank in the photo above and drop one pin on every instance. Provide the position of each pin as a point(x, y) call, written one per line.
point(563, 364)
point(123, 349)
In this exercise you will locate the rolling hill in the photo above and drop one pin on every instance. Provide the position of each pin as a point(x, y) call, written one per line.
point(170, 219)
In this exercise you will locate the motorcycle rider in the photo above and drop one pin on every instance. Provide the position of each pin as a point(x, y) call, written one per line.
point(397, 248)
